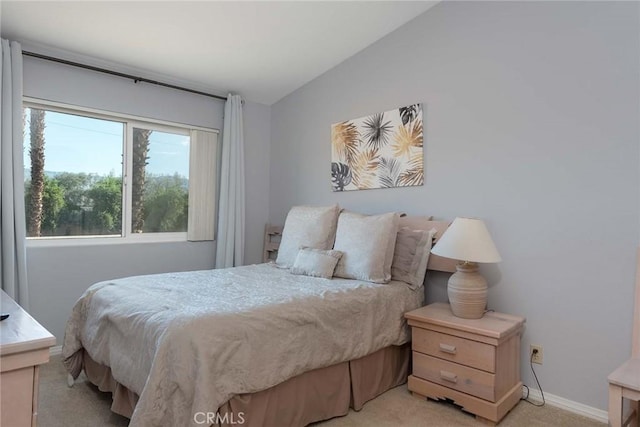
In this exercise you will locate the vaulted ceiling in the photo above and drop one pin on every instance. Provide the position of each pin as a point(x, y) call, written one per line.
point(262, 50)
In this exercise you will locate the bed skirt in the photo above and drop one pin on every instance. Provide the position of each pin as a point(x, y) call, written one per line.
point(313, 396)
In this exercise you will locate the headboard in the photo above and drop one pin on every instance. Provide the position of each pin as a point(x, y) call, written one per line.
point(273, 233)
point(436, 263)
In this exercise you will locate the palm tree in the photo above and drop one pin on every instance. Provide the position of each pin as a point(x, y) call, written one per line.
point(140, 157)
point(37, 172)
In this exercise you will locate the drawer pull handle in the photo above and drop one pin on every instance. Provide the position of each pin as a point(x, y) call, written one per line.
point(449, 376)
point(446, 348)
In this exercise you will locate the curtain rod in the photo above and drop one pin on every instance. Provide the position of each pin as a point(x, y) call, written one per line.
point(116, 73)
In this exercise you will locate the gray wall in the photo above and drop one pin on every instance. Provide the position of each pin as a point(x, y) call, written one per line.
point(58, 276)
point(531, 123)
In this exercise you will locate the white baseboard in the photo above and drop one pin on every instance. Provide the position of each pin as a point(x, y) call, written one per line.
point(568, 405)
point(55, 351)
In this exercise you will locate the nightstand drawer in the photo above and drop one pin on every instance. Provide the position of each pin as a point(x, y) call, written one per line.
point(466, 352)
point(467, 380)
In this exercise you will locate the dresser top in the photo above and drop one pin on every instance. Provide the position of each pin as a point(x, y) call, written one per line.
point(20, 332)
point(492, 324)
point(627, 375)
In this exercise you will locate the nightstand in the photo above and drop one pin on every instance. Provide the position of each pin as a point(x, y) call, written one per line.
point(474, 362)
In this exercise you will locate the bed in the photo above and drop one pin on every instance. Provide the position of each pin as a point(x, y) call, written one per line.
point(253, 345)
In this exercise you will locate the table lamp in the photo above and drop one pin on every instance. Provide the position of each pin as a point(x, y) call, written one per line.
point(468, 241)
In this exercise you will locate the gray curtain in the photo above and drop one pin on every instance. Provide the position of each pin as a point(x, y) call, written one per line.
point(230, 236)
point(13, 258)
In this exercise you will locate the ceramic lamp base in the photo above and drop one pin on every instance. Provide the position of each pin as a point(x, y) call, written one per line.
point(467, 291)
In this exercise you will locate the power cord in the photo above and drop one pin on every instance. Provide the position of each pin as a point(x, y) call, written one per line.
point(526, 398)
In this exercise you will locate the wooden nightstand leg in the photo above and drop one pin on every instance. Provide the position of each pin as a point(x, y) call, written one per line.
point(485, 421)
point(418, 396)
point(615, 405)
point(34, 402)
point(635, 417)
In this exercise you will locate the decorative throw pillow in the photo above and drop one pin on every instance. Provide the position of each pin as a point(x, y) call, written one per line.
point(307, 226)
point(368, 243)
point(411, 256)
point(316, 262)
point(414, 222)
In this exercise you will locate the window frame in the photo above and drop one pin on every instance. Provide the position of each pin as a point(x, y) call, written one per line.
point(129, 122)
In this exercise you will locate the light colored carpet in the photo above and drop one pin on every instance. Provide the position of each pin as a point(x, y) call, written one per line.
point(83, 405)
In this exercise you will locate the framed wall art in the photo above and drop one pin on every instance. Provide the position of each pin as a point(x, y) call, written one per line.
point(383, 150)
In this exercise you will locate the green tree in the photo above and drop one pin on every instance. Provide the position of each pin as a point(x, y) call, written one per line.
point(52, 204)
point(166, 204)
point(105, 216)
point(77, 201)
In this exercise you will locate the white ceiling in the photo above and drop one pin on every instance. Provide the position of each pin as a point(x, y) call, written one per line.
point(262, 50)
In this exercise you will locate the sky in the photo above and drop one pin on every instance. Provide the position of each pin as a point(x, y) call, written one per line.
point(82, 144)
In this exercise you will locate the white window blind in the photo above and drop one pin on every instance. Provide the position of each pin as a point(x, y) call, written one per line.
point(202, 181)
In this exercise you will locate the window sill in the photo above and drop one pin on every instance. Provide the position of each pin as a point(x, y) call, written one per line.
point(47, 242)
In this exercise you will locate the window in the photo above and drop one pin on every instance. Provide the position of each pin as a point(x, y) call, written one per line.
point(160, 181)
point(89, 174)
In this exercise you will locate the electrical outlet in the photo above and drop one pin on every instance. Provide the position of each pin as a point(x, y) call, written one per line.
point(537, 357)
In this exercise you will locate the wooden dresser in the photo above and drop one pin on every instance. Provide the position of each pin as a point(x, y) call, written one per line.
point(24, 345)
point(474, 362)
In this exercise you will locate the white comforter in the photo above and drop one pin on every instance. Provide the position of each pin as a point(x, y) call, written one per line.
point(187, 342)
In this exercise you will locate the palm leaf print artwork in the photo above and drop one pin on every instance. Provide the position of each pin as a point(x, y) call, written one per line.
point(365, 168)
point(376, 130)
point(383, 150)
point(414, 174)
point(340, 176)
point(344, 142)
point(407, 137)
point(409, 113)
point(390, 170)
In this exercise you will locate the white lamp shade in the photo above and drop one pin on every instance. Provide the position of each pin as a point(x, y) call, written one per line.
point(467, 239)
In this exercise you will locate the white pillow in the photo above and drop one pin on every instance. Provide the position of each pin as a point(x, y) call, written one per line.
point(368, 243)
point(316, 262)
point(307, 226)
point(411, 256)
